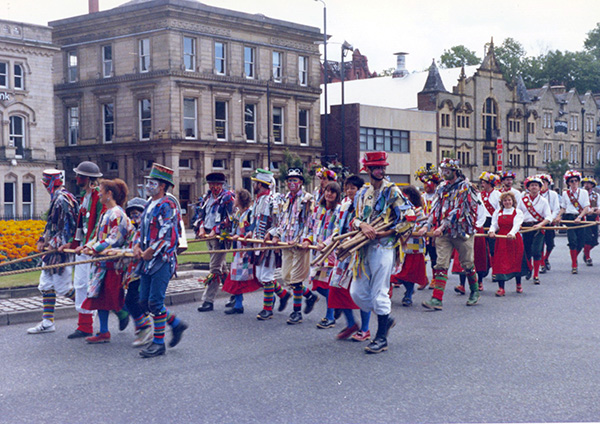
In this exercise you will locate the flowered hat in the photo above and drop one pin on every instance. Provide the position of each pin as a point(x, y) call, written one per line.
point(295, 173)
point(374, 159)
point(508, 174)
point(533, 179)
point(216, 177)
point(547, 178)
point(162, 173)
point(571, 173)
point(428, 174)
point(490, 177)
point(449, 163)
point(263, 176)
point(589, 180)
point(326, 173)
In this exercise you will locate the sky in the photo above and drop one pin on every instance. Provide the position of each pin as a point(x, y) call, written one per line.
point(423, 28)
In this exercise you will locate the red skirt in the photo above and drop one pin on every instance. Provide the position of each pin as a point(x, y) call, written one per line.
point(508, 259)
point(239, 287)
point(413, 270)
point(340, 299)
point(320, 284)
point(111, 297)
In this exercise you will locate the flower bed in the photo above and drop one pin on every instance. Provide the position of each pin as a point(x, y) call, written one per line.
point(18, 239)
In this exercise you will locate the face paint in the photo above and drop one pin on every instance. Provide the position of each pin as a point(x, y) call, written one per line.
point(377, 172)
point(294, 184)
point(152, 187)
point(81, 181)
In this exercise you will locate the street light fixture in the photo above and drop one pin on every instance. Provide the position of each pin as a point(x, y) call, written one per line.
point(345, 48)
point(326, 78)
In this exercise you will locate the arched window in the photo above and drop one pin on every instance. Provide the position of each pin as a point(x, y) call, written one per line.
point(18, 77)
point(17, 134)
point(490, 119)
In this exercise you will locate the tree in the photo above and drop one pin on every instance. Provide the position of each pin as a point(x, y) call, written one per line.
point(292, 160)
point(592, 42)
point(557, 169)
point(458, 56)
point(511, 58)
point(386, 72)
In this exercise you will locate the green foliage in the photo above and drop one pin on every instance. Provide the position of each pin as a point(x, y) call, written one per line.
point(458, 56)
point(292, 160)
point(557, 169)
point(511, 58)
point(592, 42)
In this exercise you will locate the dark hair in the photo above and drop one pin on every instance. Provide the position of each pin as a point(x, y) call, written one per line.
point(244, 198)
point(118, 188)
point(355, 180)
point(335, 187)
point(413, 195)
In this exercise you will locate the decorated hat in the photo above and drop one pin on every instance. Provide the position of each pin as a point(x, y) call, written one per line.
point(263, 176)
point(571, 173)
point(88, 169)
point(161, 172)
point(326, 173)
point(533, 179)
point(547, 178)
point(489, 177)
point(216, 177)
point(51, 175)
point(295, 172)
point(449, 163)
point(374, 159)
point(135, 203)
point(508, 174)
point(589, 180)
point(428, 174)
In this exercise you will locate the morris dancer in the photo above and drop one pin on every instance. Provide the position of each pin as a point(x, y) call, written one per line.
point(325, 176)
point(375, 261)
point(574, 206)
point(507, 179)
point(430, 178)
point(536, 214)
point(60, 230)
point(214, 219)
point(591, 233)
point(294, 217)
point(453, 220)
point(157, 247)
point(552, 197)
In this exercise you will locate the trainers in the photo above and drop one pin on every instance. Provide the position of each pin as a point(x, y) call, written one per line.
point(143, 337)
point(46, 326)
point(500, 292)
point(433, 304)
point(459, 289)
point(536, 280)
point(361, 337)
point(310, 303)
point(264, 315)
point(519, 288)
point(347, 332)
point(589, 262)
point(99, 338)
point(473, 298)
point(295, 318)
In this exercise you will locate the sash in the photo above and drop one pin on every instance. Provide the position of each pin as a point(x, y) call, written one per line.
point(485, 197)
point(574, 200)
point(531, 209)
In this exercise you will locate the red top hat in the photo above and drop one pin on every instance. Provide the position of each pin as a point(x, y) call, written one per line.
point(374, 159)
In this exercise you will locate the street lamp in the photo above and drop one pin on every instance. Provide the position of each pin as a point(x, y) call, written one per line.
point(345, 48)
point(325, 77)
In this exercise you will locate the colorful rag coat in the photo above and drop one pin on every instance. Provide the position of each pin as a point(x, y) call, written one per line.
point(160, 231)
point(87, 220)
point(217, 213)
point(128, 265)
point(342, 273)
point(294, 216)
point(320, 229)
point(265, 211)
point(455, 209)
point(60, 227)
point(112, 232)
point(241, 265)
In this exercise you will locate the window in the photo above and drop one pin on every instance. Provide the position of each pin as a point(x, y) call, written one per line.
point(303, 70)
point(248, 164)
point(219, 163)
point(73, 124)
point(190, 127)
point(277, 66)
point(185, 163)
point(27, 200)
point(447, 154)
point(573, 154)
point(547, 152)
point(303, 126)
point(514, 126)
point(221, 120)
point(589, 155)
point(274, 165)
point(531, 128)
point(3, 74)
point(107, 61)
point(17, 134)
point(574, 123)
point(147, 164)
point(113, 166)
point(486, 159)
point(547, 120)
point(490, 119)
point(589, 124)
point(249, 62)
point(395, 141)
point(514, 159)
point(531, 160)
point(278, 124)
point(250, 122)
point(445, 120)
point(464, 158)
point(144, 54)
point(9, 200)
point(108, 121)
point(18, 77)
point(561, 151)
point(145, 114)
point(463, 121)
point(72, 66)
point(429, 146)
point(220, 52)
point(189, 53)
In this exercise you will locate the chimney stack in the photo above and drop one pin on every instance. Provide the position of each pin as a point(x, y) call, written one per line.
point(93, 6)
point(401, 70)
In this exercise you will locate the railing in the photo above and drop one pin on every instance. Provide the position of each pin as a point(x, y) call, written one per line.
point(21, 218)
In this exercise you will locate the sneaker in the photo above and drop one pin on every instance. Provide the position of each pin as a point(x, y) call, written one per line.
point(519, 288)
point(536, 281)
point(99, 338)
point(284, 301)
point(500, 292)
point(326, 323)
point(46, 326)
point(473, 298)
point(347, 332)
point(589, 262)
point(143, 337)
point(433, 304)
point(361, 337)
point(264, 315)
point(295, 318)
point(460, 289)
point(310, 303)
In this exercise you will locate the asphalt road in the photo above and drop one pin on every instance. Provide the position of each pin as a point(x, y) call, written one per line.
point(530, 357)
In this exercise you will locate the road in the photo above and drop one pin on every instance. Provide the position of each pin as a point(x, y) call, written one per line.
point(530, 357)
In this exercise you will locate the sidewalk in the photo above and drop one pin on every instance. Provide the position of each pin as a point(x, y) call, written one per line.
point(29, 309)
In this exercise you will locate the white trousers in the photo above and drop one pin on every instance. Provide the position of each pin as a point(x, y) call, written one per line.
point(81, 279)
point(265, 272)
point(61, 284)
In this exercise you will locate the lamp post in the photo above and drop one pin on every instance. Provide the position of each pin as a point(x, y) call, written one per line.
point(345, 48)
point(269, 125)
point(326, 78)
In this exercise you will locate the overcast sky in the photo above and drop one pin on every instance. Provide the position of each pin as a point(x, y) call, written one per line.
point(379, 28)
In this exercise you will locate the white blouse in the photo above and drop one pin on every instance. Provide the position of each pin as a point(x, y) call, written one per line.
point(516, 222)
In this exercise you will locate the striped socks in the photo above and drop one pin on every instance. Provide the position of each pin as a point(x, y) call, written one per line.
point(269, 297)
point(48, 301)
point(440, 277)
point(297, 290)
point(142, 321)
point(160, 321)
point(279, 291)
point(172, 320)
point(71, 294)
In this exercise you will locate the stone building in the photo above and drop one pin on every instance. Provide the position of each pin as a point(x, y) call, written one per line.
point(26, 123)
point(195, 87)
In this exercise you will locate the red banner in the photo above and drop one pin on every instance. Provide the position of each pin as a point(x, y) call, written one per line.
point(499, 155)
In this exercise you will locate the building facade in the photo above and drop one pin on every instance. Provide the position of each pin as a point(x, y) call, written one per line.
point(197, 88)
point(26, 123)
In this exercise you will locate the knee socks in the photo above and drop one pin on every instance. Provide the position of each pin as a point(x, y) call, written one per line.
point(440, 277)
point(103, 318)
point(172, 320)
point(269, 298)
point(349, 317)
point(85, 323)
point(536, 268)
point(297, 290)
point(574, 254)
point(141, 321)
point(279, 291)
point(49, 302)
point(586, 251)
point(365, 317)
point(160, 321)
point(472, 277)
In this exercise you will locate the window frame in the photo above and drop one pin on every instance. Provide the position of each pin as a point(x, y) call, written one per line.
point(107, 62)
point(12, 203)
point(193, 118)
point(70, 125)
point(280, 125)
point(224, 120)
point(13, 137)
point(252, 122)
point(189, 56)
point(106, 123)
point(277, 76)
point(4, 75)
point(143, 55)
point(72, 70)
point(30, 203)
point(18, 76)
point(304, 128)
point(142, 120)
point(303, 70)
point(250, 65)
point(220, 59)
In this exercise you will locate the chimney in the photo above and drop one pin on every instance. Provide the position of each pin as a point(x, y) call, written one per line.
point(93, 6)
point(400, 71)
point(558, 89)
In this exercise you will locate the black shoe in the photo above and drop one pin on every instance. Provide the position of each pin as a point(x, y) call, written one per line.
point(177, 333)
point(264, 315)
point(377, 346)
point(233, 311)
point(528, 276)
point(543, 269)
point(548, 267)
point(589, 262)
point(310, 303)
point(206, 307)
point(78, 334)
point(123, 323)
point(284, 301)
point(230, 302)
point(326, 323)
point(337, 313)
point(391, 323)
point(152, 350)
point(295, 318)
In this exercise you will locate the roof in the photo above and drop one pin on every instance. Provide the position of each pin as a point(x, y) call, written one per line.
point(398, 93)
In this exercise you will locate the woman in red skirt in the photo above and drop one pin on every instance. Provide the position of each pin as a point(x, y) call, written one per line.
point(508, 254)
